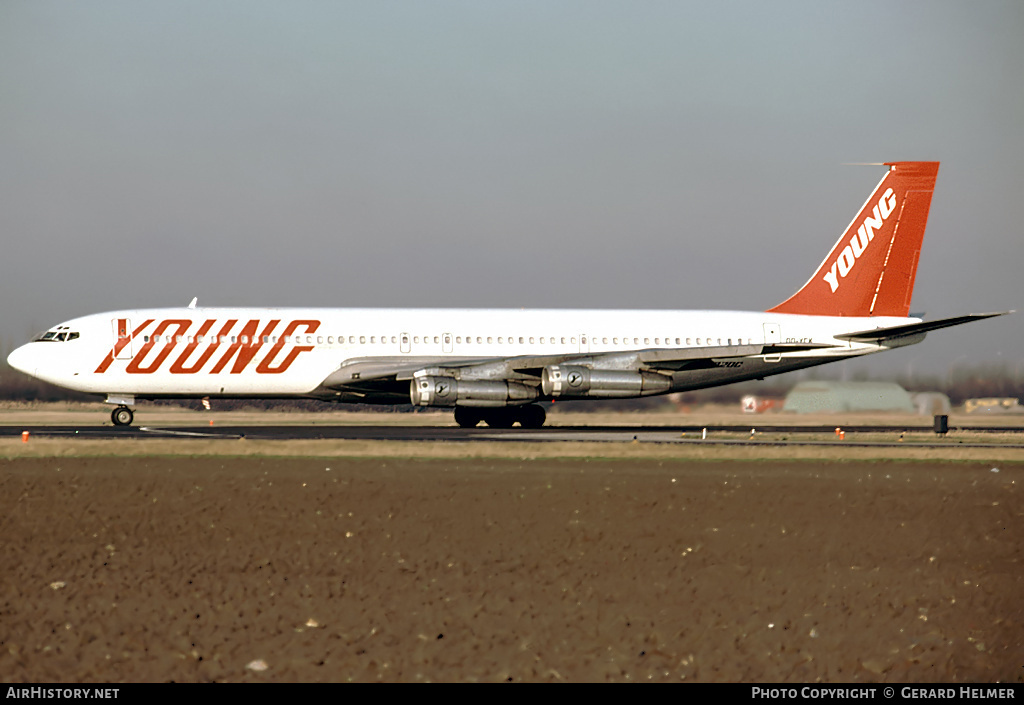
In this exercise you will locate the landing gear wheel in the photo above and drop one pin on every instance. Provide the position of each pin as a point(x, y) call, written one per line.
point(500, 418)
point(532, 416)
point(122, 416)
point(466, 417)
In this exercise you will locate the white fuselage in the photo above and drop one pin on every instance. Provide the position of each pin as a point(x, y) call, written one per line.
point(289, 352)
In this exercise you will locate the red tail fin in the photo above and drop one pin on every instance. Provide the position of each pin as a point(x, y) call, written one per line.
point(870, 271)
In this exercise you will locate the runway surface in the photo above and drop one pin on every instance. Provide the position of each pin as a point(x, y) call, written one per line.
point(768, 435)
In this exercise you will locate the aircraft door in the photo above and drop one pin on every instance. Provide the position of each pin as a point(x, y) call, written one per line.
point(404, 342)
point(122, 338)
point(772, 336)
point(584, 343)
point(446, 342)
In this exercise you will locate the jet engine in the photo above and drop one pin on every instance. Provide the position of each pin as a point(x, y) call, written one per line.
point(578, 381)
point(447, 391)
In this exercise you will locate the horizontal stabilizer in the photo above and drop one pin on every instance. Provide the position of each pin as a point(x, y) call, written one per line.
point(916, 328)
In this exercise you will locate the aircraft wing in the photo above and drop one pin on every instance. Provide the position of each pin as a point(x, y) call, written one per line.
point(390, 375)
point(878, 334)
point(667, 359)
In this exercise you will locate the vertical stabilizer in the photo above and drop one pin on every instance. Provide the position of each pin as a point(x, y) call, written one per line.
point(870, 270)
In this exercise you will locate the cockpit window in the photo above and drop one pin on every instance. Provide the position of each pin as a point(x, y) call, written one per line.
point(59, 335)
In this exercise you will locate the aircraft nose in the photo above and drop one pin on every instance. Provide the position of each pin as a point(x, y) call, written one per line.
point(20, 359)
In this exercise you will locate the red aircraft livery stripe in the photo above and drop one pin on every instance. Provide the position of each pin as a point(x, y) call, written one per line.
point(244, 346)
point(120, 343)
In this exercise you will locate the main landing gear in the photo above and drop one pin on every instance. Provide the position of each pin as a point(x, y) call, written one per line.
point(528, 416)
point(122, 416)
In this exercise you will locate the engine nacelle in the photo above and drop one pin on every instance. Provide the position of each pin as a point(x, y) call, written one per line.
point(577, 381)
point(431, 390)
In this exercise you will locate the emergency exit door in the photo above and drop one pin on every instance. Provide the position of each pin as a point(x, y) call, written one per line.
point(122, 338)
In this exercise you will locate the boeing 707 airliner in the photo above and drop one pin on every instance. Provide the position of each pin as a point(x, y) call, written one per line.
point(495, 365)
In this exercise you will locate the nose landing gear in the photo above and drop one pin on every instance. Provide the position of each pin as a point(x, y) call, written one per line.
point(122, 416)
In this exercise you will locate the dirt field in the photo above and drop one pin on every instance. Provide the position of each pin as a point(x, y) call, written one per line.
point(250, 568)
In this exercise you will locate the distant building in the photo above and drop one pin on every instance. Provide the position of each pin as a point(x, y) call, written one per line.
point(758, 405)
point(824, 396)
point(993, 405)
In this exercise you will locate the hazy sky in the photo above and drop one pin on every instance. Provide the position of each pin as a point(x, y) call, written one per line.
point(493, 154)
